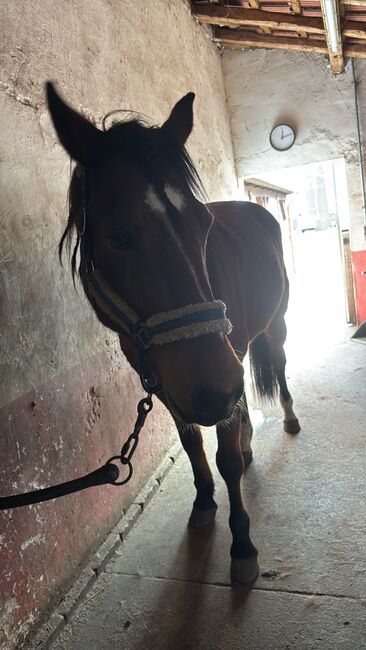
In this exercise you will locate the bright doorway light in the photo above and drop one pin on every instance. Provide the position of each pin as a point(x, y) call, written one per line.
point(315, 214)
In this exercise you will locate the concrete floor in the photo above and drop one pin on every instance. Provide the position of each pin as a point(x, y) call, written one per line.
point(168, 587)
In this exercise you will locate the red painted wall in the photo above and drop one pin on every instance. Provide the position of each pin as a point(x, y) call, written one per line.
point(359, 267)
point(57, 432)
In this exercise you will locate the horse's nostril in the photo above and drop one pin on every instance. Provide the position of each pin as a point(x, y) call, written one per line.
point(203, 400)
point(208, 402)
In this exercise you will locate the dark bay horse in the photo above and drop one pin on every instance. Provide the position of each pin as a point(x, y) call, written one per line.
point(152, 252)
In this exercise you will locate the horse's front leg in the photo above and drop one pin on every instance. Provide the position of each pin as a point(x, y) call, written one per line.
point(244, 565)
point(204, 506)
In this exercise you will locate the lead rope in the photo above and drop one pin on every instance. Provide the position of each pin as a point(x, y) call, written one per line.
point(107, 474)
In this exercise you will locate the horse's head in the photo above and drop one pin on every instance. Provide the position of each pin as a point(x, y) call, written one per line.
point(139, 223)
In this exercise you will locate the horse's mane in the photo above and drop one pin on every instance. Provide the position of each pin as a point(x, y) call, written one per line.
point(153, 149)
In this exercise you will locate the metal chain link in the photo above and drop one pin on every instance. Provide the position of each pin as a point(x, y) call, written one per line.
point(143, 409)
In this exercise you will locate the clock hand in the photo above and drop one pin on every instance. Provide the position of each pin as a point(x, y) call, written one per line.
point(281, 134)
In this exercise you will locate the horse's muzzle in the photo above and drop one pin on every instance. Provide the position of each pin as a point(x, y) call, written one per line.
point(209, 406)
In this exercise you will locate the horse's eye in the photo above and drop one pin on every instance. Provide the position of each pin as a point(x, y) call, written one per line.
point(123, 239)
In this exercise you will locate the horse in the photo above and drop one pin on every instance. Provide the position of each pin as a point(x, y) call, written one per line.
point(189, 287)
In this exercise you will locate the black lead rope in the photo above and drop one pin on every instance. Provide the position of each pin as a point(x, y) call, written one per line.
point(107, 474)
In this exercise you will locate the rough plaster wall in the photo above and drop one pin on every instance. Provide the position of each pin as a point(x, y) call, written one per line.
point(102, 55)
point(62, 392)
point(266, 87)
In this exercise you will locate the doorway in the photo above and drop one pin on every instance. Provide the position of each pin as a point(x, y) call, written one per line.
point(311, 204)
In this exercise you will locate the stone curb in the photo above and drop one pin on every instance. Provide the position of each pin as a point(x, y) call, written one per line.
point(63, 612)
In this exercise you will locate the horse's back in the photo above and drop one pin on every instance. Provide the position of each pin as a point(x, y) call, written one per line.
point(244, 216)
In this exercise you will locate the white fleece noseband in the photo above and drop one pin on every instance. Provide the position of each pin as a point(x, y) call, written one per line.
point(173, 325)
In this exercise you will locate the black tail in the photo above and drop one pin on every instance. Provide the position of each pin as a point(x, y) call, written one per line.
point(263, 373)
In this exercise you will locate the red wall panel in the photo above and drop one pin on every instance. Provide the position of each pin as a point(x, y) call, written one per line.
point(55, 433)
point(359, 274)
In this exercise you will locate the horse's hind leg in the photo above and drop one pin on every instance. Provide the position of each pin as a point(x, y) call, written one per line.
point(290, 422)
point(204, 506)
point(276, 336)
point(244, 565)
point(246, 433)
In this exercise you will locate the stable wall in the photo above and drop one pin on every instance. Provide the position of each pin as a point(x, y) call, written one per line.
point(67, 395)
point(266, 87)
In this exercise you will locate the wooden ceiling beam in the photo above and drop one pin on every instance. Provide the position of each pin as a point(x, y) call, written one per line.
point(245, 40)
point(355, 51)
point(270, 21)
point(355, 3)
point(353, 29)
point(240, 17)
point(242, 39)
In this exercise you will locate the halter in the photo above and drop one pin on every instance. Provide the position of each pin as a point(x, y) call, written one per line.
point(166, 327)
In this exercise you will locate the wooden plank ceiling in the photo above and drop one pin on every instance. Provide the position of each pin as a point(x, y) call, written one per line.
point(336, 28)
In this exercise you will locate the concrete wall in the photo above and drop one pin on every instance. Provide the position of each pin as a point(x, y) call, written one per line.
point(67, 395)
point(266, 87)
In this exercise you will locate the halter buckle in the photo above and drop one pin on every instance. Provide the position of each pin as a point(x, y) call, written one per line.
point(142, 337)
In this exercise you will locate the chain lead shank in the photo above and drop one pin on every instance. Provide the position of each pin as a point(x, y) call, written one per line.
point(107, 474)
point(143, 409)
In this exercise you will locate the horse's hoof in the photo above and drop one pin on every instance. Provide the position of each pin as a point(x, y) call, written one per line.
point(247, 457)
point(200, 518)
point(291, 426)
point(245, 571)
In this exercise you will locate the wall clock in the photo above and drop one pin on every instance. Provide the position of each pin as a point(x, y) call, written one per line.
point(282, 137)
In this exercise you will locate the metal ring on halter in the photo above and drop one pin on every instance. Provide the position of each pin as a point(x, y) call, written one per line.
point(126, 463)
point(149, 380)
point(151, 386)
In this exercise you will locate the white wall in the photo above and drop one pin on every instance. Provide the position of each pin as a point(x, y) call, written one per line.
point(266, 87)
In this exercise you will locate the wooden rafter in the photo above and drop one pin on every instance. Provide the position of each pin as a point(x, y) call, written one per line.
point(267, 23)
point(353, 29)
point(355, 51)
point(243, 39)
point(355, 3)
point(266, 20)
point(333, 35)
point(240, 17)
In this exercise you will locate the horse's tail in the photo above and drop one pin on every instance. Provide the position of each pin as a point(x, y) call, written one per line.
point(262, 371)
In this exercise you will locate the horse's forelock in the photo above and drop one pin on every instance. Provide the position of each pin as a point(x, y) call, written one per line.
point(154, 150)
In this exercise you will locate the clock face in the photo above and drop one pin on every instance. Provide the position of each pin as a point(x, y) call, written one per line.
point(282, 137)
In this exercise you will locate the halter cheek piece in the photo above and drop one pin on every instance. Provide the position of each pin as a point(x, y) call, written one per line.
point(186, 322)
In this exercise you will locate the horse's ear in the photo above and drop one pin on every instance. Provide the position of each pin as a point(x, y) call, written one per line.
point(180, 121)
point(77, 135)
